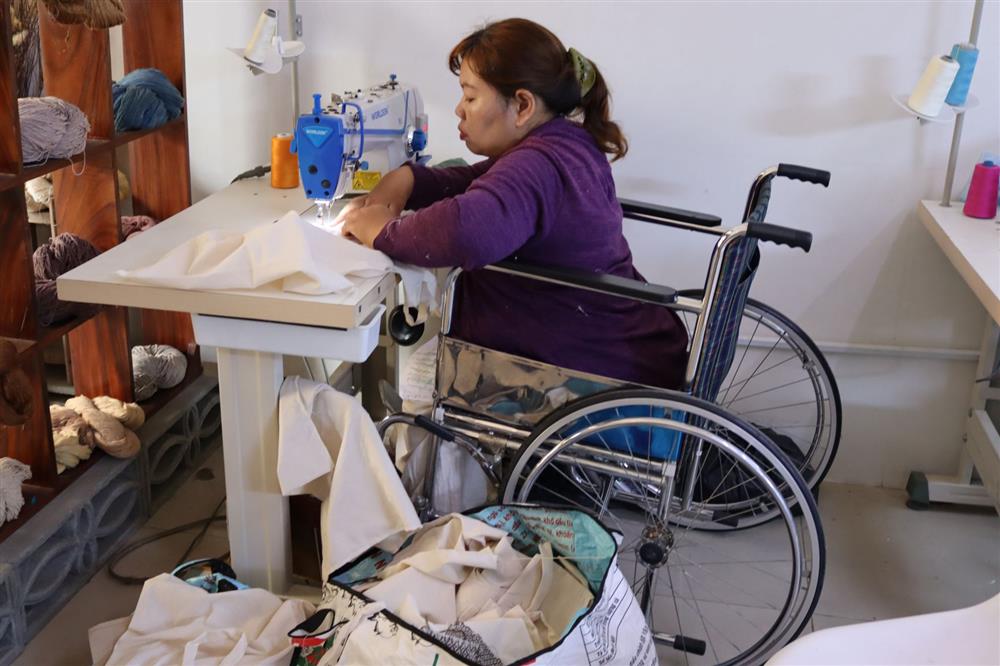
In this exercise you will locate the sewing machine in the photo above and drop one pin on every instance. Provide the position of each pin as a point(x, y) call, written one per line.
point(347, 146)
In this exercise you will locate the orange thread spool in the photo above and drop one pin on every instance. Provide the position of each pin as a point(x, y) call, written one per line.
point(284, 163)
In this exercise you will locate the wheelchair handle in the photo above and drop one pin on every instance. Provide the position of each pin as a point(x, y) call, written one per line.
point(772, 233)
point(803, 173)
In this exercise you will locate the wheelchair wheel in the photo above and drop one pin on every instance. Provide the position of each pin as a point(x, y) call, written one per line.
point(744, 593)
point(781, 383)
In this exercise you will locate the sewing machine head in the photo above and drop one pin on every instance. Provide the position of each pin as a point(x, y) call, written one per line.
point(347, 146)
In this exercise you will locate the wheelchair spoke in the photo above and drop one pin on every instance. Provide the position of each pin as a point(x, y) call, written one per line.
point(790, 426)
point(704, 622)
point(770, 390)
point(680, 627)
point(758, 374)
point(746, 348)
point(724, 579)
point(791, 404)
point(762, 361)
point(718, 630)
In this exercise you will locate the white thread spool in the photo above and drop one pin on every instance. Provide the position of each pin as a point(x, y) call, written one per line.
point(263, 33)
point(932, 88)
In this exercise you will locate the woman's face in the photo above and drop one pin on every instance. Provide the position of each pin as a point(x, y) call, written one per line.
point(487, 123)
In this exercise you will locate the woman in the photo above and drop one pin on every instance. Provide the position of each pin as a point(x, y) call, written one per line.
point(545, 194)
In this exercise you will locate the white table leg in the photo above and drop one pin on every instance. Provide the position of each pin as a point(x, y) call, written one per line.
point(980, 449)
point(257, 512)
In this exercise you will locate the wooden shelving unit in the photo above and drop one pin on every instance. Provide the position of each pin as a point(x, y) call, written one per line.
point(76, 66)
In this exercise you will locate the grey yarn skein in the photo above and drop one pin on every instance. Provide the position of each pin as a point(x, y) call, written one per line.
point(156, 367)
point(51, 128)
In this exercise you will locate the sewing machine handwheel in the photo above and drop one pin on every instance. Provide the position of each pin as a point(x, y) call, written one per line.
point(402, 332)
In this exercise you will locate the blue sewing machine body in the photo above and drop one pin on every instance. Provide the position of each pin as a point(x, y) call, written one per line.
point(347, 146)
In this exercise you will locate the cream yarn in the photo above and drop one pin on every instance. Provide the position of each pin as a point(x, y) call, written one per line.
point(129, 413)
point(113, 437)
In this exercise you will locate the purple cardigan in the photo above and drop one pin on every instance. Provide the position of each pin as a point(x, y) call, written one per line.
point(549, 200)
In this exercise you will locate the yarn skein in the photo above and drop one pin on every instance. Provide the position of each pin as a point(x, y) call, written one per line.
point(38, 193)
point(13, 473)
point(66, 421)
point(51, 128)
point(15, 388)
point(156, 367)
point(128, 413)
point(95, 14)
point(143, 99)
point(136, 224)
point(113, 437)
point(56, 256)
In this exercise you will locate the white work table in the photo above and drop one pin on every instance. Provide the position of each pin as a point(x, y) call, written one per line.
point(251, 330)
point(973, 247)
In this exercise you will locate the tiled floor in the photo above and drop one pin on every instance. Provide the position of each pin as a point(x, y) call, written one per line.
point(884, 561)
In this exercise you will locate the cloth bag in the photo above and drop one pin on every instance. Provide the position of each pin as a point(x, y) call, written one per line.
point(352, 628)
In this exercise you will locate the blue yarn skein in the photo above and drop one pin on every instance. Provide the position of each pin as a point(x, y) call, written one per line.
point(143, 99)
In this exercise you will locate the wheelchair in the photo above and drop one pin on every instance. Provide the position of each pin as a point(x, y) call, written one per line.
point(677, 473)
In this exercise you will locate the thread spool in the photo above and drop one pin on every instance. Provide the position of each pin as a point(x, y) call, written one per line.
point(982, 200)
point(263, 33)
point(284, 163)
point(932, 88)
point(966, 56)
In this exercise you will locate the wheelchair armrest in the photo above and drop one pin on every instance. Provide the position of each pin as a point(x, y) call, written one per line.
point(603, 283)
point(646, 212)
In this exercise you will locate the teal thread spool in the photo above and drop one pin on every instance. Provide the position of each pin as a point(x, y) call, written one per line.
point(966, 56)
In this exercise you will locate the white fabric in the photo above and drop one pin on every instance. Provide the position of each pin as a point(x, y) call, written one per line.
point(328, 447)
point(178, 623)
point(289, 255)
point(459, 569)
point(102, 638)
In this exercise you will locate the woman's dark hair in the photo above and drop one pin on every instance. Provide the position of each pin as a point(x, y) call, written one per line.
point(520, 54)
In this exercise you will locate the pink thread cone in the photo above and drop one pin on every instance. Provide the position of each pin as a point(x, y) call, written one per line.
point(982, 199)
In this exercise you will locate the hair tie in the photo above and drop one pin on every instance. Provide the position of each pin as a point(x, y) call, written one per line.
point(585, 72)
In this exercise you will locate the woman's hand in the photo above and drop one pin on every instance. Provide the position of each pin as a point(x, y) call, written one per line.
point(365, 223)
point(351, 205)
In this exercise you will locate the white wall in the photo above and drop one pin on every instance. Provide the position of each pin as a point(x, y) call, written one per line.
point(708, 93)
point(232, 114)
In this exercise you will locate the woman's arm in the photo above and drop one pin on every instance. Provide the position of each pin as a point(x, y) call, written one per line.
point(412, 186)
point(431, 184)
point(492, 219)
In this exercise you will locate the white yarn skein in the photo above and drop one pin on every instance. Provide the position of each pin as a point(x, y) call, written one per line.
point(13, 473)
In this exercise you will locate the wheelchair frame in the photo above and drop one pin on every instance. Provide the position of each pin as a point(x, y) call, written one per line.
point(485, 437)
